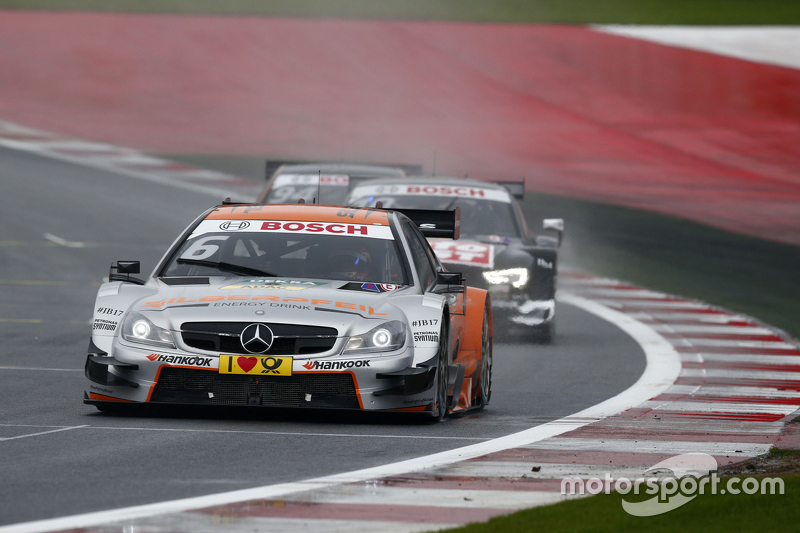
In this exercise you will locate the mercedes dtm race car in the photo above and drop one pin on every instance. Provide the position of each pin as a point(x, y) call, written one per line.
point(320, 183)
point(296, 306)
point(498, 251)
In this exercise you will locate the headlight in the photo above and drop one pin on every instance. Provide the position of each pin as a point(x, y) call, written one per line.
point(384, 338)
point(138, 328)
point(516, 277)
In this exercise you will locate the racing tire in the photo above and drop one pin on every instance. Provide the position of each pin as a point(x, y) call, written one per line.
point(440, 405)
point(485, 371)
point(544, 333)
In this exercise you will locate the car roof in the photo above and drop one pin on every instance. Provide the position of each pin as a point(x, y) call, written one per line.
point(300, 212)
point(344, 168)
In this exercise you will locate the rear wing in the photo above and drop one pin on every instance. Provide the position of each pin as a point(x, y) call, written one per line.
point(435, 223)
point(516, 188)
point(272, 165)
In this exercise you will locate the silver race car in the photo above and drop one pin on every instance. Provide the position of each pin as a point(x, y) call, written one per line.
point(320, 183)
point(295, 306)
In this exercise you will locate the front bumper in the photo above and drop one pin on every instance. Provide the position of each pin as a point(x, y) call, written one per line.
point(385, 382)
point(530, 313)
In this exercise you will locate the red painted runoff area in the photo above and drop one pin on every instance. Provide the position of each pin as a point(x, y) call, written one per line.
point(574, 111)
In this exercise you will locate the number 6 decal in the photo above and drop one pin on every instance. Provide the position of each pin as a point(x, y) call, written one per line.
point(201, 249)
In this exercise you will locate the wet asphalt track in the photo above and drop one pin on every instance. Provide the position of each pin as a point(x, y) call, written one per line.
point(62, 225)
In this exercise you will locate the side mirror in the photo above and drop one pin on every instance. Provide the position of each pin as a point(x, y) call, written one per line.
point(547, 241)
point(122, 270)
point(557, 225)
point(449, 282)
point(128, 267)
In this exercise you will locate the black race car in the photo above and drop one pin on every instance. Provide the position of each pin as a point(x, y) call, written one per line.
point(497, 251)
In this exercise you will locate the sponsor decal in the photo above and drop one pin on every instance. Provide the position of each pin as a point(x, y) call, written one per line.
point(100, 389)
point(103, 325)
point(264, 299)
point(183, 360)
point(464, 253)
point(423, 323)
point(267, 365)
point(203, 248)
point(544, 264)
point(426, 336)
point(481, 193)
point(280, 281)
point(418, 401)
point(328, 180)
point(361, 230)
point(335, 365)
point(369, 287)
point(265, 287)
point(108, 311)
point(234, 225)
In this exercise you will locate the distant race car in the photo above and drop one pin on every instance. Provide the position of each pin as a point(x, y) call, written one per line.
point(498, 251)
point(320, 183)
point(295, 306)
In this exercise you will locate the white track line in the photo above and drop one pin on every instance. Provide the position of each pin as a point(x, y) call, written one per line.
point(41, 433)
point(663, 368)
point(289, 433)
point(63, 242)
point(41, 369)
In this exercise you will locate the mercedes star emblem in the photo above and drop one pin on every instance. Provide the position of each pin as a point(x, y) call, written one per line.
point(256, 338)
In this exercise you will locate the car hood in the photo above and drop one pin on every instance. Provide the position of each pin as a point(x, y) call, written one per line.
point(350, 307)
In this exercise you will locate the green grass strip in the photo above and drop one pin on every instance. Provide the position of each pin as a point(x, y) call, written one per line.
point(708, 513)
point(514, 11)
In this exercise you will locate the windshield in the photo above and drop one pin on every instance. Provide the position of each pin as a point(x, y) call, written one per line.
point(287, 252)
point(329, 189)
point(478, 217)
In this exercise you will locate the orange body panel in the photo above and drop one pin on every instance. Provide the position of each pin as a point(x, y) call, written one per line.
point(301, 212)
point(93, 396)
point(469, 354)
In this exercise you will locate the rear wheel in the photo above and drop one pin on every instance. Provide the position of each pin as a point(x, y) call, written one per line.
point(544, 333)
point(442, 375)
point(485, 375)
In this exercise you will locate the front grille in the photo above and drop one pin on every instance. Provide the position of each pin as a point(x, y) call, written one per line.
point(290, 339)
point(183, 385)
